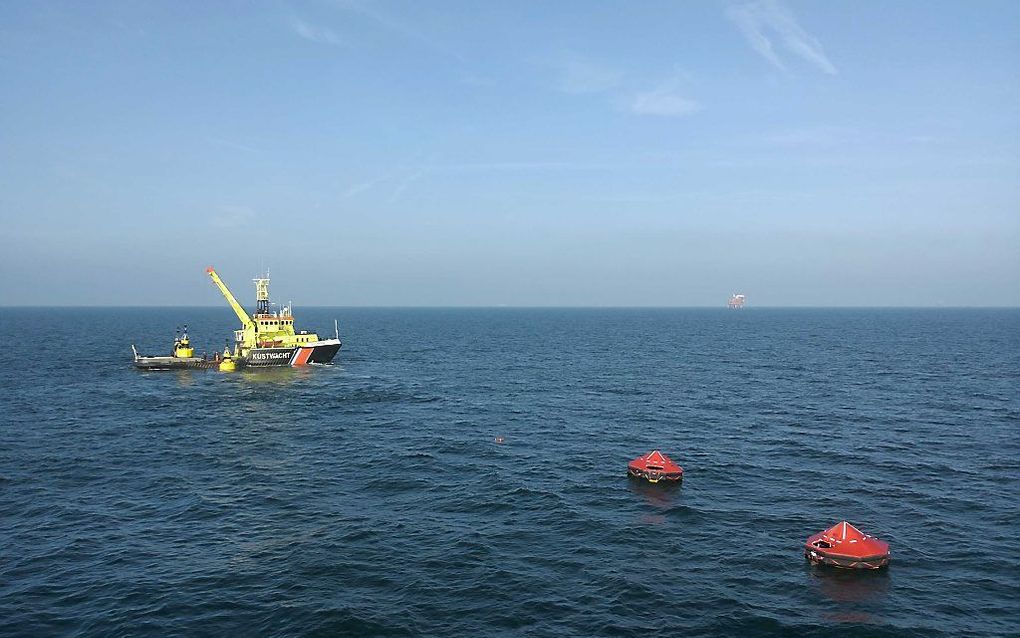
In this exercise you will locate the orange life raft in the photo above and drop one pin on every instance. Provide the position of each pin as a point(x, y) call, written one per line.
point(654, 467)
point(843, 545)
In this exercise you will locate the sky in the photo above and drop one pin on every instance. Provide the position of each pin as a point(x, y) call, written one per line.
point(572, 153)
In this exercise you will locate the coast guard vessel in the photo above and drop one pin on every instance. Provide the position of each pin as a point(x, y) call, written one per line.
point(268, 338)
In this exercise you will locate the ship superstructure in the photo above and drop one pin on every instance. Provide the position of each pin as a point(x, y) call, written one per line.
point(737, 301)
point(268, 338)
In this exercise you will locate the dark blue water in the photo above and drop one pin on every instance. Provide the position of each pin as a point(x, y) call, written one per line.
point(370, 497)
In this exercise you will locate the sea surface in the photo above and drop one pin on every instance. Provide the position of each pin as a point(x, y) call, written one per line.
point(371, 497)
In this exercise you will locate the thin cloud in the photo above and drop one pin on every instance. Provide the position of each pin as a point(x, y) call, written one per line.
point(219, 141)
point(406, 183)
point(763, 21)
point(471, 79)
point(314, 33)
point(411, 174)
point(578, 76)
point(665, 102)
point(814, 136)
point(523, 166)
point(232, 217)
point(398, 27)
point(361, 187)
point(404, 176)
point(667, 99)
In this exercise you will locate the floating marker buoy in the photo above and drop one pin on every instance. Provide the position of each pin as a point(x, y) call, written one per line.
point(843, 545)
point(227, 364)
point(654, 467)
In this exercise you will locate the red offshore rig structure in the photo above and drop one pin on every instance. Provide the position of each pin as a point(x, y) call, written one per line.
point(737, 302)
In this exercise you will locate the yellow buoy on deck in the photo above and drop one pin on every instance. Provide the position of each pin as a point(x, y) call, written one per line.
point(182, 346)
point(228, 364)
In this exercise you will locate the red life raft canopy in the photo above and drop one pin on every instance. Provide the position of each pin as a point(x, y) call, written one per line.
point(843, 545)
point(655, 466)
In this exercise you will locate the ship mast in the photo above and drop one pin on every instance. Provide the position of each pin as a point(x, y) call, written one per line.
point(262, 295)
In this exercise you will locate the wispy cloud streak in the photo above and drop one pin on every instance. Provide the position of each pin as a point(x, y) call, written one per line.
point(578, 76)
point(314, 33)
point(664, 100)
point(764, 20)
point(814, 136)
point(232, 217)
point(523, 166)
point(655, 103)
point(398, 27)
point(581, 76)
point(406, 183)
point(219, 141)
point(361, 187)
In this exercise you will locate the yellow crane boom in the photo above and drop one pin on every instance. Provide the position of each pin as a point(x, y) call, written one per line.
point(246, 321)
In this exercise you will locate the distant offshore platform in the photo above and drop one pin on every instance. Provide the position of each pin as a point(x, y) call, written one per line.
point(737, 302)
